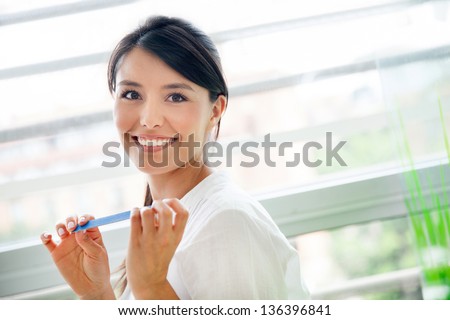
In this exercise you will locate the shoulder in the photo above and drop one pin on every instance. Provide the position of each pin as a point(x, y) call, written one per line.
point(220, 200)
point(219, 209)
point(218, 194)
point(229, 214)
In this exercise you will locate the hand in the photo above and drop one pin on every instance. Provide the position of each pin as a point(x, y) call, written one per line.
point(81, 259)
point(154, 237)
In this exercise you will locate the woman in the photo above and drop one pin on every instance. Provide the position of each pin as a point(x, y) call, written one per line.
point(198, 235)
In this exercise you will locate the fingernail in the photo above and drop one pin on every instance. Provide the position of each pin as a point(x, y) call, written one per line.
point(61, 231)
point(82, 219)
point(45, 235)
point(70, 225)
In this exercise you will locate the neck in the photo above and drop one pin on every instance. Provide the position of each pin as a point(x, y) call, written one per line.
point(177, 183)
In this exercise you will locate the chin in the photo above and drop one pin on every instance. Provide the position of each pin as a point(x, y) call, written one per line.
point(153, 171)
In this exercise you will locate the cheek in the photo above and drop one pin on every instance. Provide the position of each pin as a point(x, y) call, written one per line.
point(192, 120)
point(122, 119)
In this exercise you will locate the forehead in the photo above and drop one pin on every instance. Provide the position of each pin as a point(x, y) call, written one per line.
point(147, 68)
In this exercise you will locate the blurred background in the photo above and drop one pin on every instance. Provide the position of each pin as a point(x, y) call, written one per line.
point(296, 69)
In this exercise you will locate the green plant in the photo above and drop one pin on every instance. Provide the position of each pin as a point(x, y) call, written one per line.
point(430, 222)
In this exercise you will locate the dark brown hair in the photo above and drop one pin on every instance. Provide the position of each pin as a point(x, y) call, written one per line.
point(184, 48)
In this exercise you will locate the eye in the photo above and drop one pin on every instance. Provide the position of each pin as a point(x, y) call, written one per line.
point(176, 97)
point(130, 95)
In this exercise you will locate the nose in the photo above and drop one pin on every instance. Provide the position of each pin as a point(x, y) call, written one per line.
point(152, 115)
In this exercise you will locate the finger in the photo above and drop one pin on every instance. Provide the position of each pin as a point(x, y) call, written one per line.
point(135, 224)
point(165, 215)
point(62, 230)
point(71, 223)
point(148, 220)
point(83, 219)
point(88, 244)
point(181, 214)
point(94, 233)
point(48, 242)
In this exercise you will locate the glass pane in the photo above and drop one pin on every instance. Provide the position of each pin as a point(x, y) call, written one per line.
point(351, 106)
point(331, 258)
point(49, 96)
point(26, 216)
point(14, 6)
point(49, 156)
point(50, 41)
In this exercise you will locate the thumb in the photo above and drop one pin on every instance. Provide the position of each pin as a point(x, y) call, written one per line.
point(91, 247)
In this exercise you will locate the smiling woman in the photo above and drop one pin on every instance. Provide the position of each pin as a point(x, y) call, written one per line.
point(157, 107)
point(198, 236)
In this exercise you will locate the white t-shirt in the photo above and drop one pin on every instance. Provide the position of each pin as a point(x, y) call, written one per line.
point(231, 248)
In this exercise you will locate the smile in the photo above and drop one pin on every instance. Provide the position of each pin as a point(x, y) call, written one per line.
point(153, 145)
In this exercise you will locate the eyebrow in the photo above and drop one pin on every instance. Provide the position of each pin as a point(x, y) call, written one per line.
point(129, 83)
point(177, 85)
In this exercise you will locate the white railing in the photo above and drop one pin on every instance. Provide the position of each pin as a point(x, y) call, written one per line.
point(389, 281)
point(385, 282)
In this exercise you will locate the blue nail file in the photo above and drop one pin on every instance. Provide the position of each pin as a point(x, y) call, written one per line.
point(104, 220)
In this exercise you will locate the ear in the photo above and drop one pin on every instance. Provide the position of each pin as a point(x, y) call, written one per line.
point(218, 109)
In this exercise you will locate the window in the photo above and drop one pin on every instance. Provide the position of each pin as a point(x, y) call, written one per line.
point(296, 71)
point(360, 261)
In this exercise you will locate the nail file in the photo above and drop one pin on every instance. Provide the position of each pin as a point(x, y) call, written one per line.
point(104, 220)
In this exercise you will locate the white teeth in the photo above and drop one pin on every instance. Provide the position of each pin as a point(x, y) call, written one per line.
point(153, 143)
